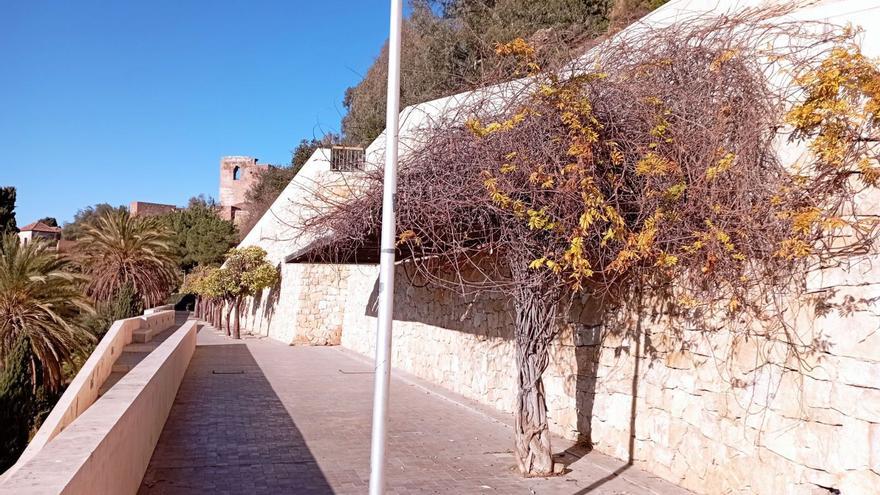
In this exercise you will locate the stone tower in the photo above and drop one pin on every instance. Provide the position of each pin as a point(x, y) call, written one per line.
point(237, 175)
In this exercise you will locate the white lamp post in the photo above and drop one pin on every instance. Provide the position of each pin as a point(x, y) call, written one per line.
point(386, 263)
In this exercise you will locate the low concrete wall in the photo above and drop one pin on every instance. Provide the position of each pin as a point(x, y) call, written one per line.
point(83, 390)
point(108, 447)
point(158, 309)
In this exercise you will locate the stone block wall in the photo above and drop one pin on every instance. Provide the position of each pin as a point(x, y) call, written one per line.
point(237, 175)
point(307, 307)
point(273, 312)
point(321, 304)
point(464, 344)
point(143, 209)
point(715, 413)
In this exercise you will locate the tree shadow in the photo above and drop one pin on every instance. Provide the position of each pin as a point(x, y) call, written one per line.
point(588, 362)
point(229, 432)
point(588, 331)
point(265, 302)
point(490, 318)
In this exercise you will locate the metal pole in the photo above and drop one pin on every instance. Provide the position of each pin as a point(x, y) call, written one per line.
point(386, 264)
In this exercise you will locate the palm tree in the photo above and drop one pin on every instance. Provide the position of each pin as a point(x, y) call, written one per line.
point(41, 301)
point(119, 250)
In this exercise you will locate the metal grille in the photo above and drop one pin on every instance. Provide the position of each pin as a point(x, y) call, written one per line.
point(346, 159)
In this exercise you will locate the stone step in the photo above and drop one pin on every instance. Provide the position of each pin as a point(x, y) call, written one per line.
point(128, 360)
point(145, 347)
point(143, 335)
point(109, 382)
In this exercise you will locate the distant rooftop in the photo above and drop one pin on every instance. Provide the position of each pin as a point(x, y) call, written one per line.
point(40, 227)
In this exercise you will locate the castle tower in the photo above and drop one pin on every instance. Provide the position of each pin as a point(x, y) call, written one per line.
point(237, 175)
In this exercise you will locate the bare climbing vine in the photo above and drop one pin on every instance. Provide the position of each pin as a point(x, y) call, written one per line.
point(707, 166)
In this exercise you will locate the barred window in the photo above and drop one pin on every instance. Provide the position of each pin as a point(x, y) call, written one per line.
point(346, 159)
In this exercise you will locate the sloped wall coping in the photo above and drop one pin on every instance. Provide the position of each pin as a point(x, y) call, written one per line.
point(83, 390)
point(108, 447)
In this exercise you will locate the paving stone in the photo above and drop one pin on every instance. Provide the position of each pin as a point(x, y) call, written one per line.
point(258, 417)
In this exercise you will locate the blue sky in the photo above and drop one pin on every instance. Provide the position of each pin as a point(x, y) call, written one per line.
point(107, 101)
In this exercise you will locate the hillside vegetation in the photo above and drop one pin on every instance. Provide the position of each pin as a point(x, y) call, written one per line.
point(448, 46)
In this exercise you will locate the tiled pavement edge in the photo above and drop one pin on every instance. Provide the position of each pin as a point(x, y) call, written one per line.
point(256, 416)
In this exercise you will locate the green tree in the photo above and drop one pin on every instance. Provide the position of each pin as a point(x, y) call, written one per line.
point(200, 236)
point(50, 221)
point(7, 210)
point(40, 304)
point(90, 214)
point(118, 250)
point(245, 274)
point(448, 46)
point(304, 150)
point(624, 12)
point(24, 403)
point(125, 304)
point(206, 283)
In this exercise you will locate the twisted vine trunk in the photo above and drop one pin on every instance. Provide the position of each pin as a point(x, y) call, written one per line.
point(535, 329)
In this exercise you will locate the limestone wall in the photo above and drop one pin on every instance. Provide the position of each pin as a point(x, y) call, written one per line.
point(714, 413)
point(144, 209)
point(234, 186)
point(464, 344)
point(321, 304)
point(306, 308)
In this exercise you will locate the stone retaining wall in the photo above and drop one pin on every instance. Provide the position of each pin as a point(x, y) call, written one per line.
point(307, 307)
point(712, 412)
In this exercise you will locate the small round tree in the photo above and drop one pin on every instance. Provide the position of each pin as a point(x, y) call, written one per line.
point(246, 273)
point(205, 282)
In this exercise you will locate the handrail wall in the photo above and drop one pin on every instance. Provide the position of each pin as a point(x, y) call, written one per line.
point(83, 390)
point(108, 447)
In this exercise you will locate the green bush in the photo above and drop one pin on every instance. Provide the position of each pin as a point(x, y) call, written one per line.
point(23, 404)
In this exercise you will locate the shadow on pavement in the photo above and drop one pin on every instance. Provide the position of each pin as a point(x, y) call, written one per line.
point(228, 432)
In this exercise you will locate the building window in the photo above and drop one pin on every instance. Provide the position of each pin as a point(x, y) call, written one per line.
point(346, 159)
point(236, 173)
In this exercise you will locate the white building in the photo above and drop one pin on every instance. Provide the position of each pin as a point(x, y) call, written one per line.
point(39, 230)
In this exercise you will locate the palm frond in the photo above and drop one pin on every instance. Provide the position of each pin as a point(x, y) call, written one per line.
point(40, 303)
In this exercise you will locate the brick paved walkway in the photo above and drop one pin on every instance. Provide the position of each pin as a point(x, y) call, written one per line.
point(256, 416)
